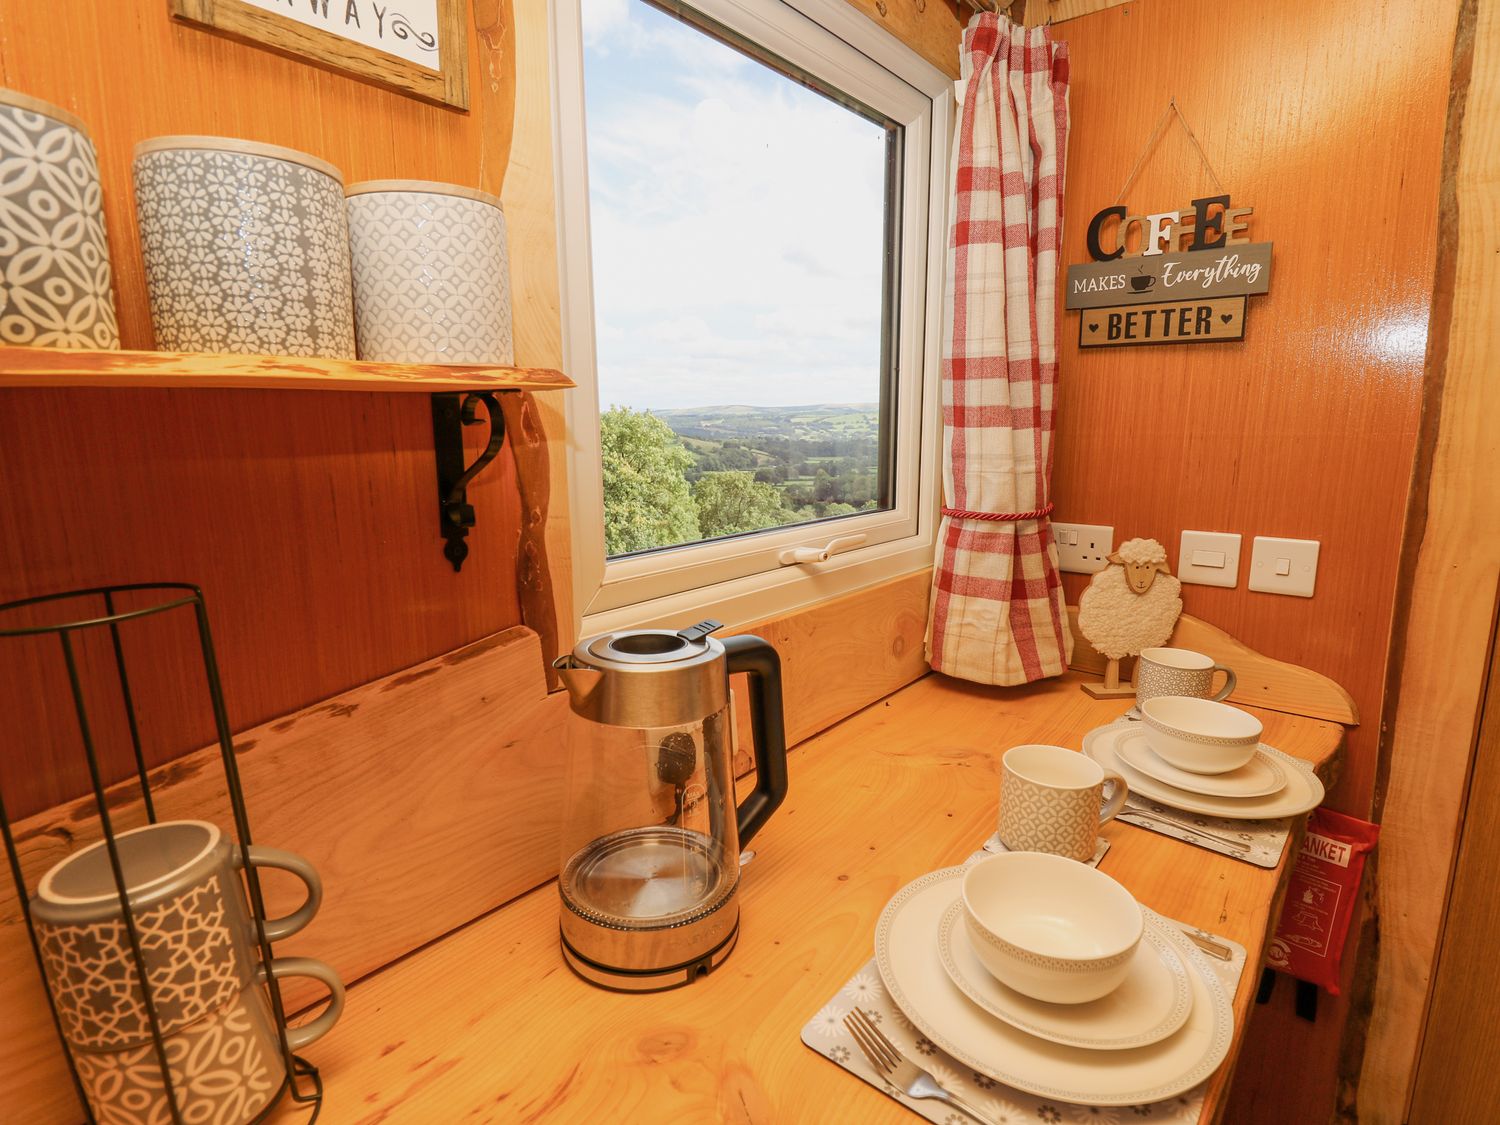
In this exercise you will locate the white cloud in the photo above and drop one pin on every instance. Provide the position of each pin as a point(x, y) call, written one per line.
point(737, 224)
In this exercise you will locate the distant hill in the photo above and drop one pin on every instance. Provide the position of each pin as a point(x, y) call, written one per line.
point(828, 421)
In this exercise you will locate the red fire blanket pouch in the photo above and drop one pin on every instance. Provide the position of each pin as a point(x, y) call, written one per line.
point(1309, 941)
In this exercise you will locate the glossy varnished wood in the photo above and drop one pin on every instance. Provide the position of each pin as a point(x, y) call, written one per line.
point(489, 1025)
point(1327, 119)
point(309, 520)
point(49, 367)
point(1306, 428)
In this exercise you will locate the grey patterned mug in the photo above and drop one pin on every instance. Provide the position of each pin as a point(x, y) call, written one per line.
point(1052, 800)
point(1179, 671)
point(196, 932)
point(226, 1068)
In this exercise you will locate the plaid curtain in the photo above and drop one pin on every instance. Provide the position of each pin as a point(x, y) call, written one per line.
point(997, 614)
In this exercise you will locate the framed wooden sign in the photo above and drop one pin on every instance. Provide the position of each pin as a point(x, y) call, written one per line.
point(417, 46)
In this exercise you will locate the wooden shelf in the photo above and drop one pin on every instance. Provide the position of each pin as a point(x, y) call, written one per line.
point(51, 367)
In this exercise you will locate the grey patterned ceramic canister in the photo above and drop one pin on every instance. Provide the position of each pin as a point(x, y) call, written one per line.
point(226, 1068)
point(431, 273)
point(197, 936)
point(1052, 800)
point(246, 248)
point(55, 285)
point(1179, 671)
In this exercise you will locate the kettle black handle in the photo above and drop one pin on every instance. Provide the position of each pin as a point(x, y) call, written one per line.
point(767, 723)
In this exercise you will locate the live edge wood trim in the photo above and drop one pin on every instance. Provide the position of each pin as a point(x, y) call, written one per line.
point(466, 753)
point(1262, 682)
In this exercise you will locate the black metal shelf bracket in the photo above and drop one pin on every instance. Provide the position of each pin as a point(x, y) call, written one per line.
point(450, 414)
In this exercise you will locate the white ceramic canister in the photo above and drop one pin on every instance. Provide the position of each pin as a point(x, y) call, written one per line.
point(246, 248)
point(431, 273)
point(56, 289)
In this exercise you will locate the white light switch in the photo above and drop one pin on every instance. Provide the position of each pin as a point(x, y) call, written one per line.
point(1284, 566)
point(1209, 558)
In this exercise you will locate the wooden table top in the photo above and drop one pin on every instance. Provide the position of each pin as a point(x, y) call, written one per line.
point(489, 1025)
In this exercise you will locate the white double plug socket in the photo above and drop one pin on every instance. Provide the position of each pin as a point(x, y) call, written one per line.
point(1083, 548)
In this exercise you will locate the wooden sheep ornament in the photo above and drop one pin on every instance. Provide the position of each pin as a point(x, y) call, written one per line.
point(1130, 605)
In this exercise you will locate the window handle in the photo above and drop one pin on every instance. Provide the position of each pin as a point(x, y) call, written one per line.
point(794, 555)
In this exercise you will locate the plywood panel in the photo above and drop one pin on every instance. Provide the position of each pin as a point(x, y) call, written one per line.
point(423, 799)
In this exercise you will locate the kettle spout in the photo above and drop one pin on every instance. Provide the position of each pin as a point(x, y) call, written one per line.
point(580, 680)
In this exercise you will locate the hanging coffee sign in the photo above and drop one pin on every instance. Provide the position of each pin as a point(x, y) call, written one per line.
point(1185, 281)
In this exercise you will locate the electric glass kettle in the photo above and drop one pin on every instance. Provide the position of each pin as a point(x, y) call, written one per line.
point(651, 834)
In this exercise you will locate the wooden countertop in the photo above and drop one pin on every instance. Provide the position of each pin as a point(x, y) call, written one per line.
point(489, 1025)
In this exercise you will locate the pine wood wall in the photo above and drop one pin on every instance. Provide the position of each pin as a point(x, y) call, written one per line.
point(309, 519)
point(1328, 119)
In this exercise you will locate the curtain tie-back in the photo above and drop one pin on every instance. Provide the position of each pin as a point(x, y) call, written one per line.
point(1006, 517)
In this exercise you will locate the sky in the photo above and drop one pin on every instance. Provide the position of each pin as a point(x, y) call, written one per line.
point(737, 223)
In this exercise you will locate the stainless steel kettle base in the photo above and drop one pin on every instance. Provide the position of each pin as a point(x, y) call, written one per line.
point(650, 980)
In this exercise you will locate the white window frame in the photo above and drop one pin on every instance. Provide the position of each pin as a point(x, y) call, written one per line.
point(741, 578)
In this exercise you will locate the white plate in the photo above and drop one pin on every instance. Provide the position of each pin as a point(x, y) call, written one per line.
point(1151, 1003)
point(1303, 789)
point(906, 954)
point(1261, 776)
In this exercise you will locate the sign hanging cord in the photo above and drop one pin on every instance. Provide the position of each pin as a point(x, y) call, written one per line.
point(1156, 134)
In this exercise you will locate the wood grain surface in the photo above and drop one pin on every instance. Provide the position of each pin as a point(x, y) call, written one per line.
point(49, 367)
point(1328, 120)
point(309, 520)
point(488, 1025)
point(1448, 599)
point(1260, 680)
point(423, 799)
point(844, 654)
point(1457, 1077)
point(1305, 429)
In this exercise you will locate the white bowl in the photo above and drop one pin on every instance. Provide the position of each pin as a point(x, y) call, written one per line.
point(1050, 928)
point(1199, 735)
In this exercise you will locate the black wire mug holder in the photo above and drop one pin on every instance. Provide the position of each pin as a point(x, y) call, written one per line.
point(178, 595)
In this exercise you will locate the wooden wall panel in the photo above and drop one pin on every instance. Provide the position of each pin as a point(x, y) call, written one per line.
point(1328, 120)
point(308, 519)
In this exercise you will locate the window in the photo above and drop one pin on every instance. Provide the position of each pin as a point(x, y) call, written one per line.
point(750, 200)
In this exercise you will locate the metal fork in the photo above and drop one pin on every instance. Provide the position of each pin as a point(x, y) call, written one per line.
point(900, 1071)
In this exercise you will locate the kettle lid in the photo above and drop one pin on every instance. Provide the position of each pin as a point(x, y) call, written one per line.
point(647, 677)
point(635, 647)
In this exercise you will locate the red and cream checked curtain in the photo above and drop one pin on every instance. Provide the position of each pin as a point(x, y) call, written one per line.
point(997, 613)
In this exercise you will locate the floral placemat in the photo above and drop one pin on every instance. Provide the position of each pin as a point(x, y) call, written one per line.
point(826, 1034)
